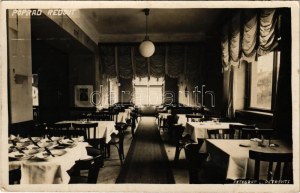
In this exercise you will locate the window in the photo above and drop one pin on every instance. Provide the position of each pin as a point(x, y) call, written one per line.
point(263, 81)
point(148, 91)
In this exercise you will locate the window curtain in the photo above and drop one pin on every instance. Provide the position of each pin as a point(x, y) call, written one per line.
point(175, 60)
point(249, 35)
point(231, 93)
point(141, 64)
point(225, 48)
point(124, 62)
point(107, 53)
point(234, 44)
point(267, 31)
point(157, 62)
point(282, 122)
point(193, 61)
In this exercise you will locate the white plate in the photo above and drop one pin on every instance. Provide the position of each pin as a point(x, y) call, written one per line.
point(18, 156)
point(58, 152)
point(56, 138)
point(43, 156)
point(45, 144)
point(24, 140)
point(31, 151)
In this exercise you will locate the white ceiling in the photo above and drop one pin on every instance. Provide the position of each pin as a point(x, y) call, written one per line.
point(164, 25)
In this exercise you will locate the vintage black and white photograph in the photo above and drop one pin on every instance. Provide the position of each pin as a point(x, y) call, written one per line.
point(180, 95)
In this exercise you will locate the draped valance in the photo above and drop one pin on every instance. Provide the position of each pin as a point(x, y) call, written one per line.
point(249, 33)
point(175, 60)
point(124, 62)
point(157, 62)
point(107, 56)
point(234, 44)
point(172, 60)
point(267, 41)
point(225, 48)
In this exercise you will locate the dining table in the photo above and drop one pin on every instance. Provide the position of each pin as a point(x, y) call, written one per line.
point(198, 130)
point(40, 167)
point(122, 117)
point(232, 156)
point(104, 129)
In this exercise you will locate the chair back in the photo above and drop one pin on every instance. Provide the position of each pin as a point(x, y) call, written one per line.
point(102, 116)
point(278, 173)
point(93, 166)
point(178, 131)
point(86, 127)
point(220, 133)
point(238, 129)
point(58, 129)
point(257, 133)
point(194, 160)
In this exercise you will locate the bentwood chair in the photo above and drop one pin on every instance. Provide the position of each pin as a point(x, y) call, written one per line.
point(58, 129)
point(282, 161)
point(257, 133)
point(171, 121)
point(238, 129)
point(92, 165)
point(195, 161)
point(180, 141)
point(117, 141)
point(87, 129)
point(220, 133)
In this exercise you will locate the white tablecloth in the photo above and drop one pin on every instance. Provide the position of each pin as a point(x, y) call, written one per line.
point(235, 159)
point(104, 129)
point(182, 119)
point(53, 171)
point(198, 130)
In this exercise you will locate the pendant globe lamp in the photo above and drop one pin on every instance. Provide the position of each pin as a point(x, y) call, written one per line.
point(147, 47)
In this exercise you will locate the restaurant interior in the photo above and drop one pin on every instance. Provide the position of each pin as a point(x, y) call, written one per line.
point(150, 96)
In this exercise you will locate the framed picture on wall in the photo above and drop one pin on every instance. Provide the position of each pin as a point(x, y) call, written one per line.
point(83, 95)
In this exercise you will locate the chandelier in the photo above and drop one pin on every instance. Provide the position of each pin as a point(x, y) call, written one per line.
point(146, 48)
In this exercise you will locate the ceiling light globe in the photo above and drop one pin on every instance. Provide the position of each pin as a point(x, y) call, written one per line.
point(146, 48)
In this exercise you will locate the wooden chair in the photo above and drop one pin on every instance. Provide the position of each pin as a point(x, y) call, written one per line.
point(58, 129)
point(195, 161)
point(239, 128)
point(220, 133)
point(102, 116)
point(118, 142)
point(93, 166)
point(257, 133)
point(171, 121)
point(271, 158)
point(180, 141)
point(86, 128)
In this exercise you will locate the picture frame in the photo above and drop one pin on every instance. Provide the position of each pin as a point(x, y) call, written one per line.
point(83, 95)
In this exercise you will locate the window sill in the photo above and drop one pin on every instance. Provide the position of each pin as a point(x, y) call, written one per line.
point(253, 112)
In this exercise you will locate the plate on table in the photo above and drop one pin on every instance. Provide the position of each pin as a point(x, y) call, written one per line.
point(22, 144)
point(67, 141)
point(45, 144)
point(31, 146)
point(58, 152)
point(43, 156)
point(36, 139)
point(56, 138)
point(15, 155)
point(31, 151)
